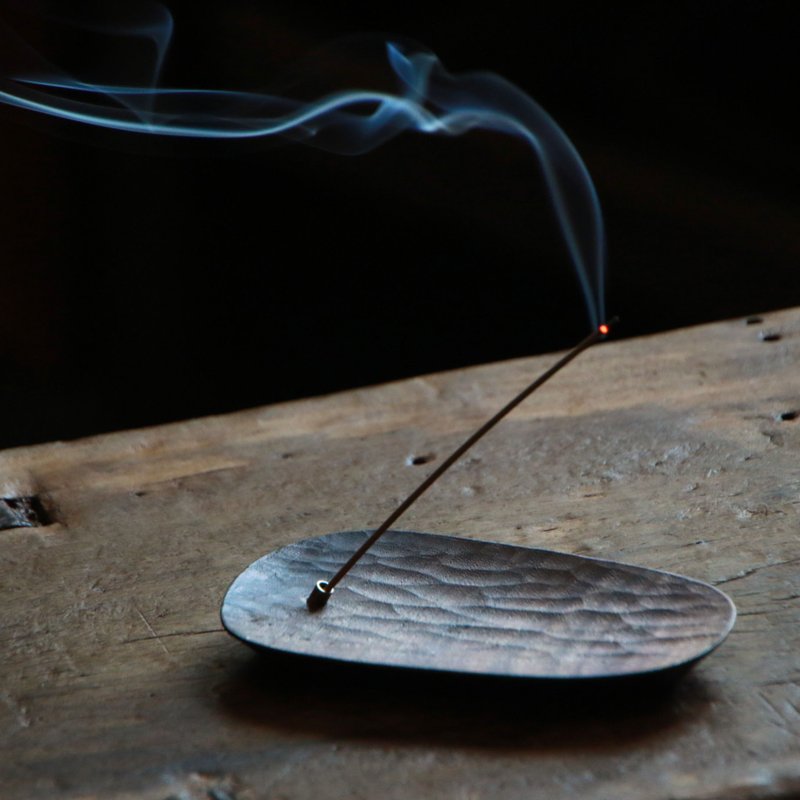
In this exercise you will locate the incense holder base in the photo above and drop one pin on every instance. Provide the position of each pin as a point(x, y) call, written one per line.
point(433, 602)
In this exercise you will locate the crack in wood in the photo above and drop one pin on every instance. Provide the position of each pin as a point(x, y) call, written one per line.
point(173, 633)
point(23, 512)
point(153, 633)
point(781, 682)
point(745, 573)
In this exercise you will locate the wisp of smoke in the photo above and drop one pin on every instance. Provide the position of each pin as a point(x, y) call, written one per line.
point(427, 99)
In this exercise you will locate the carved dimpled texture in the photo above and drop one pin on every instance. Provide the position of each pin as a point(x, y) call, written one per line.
point(428, 601)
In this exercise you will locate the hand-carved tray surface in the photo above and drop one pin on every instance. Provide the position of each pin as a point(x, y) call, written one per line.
point(446, 603)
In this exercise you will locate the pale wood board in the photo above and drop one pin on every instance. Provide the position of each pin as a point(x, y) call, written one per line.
point(667, 451)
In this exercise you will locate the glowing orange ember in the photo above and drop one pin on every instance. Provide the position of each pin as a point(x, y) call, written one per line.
point(603, 329)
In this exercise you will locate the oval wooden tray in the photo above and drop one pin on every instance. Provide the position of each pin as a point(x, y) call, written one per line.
point(426, 601)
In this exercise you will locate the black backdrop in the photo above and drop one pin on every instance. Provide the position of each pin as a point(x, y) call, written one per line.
point(146, 281)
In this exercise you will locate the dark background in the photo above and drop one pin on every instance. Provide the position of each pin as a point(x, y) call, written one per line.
point(148, 281)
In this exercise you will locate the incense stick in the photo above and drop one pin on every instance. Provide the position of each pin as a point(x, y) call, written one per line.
point(322, 590)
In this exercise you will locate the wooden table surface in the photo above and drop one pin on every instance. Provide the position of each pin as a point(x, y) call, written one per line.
point(677, 451)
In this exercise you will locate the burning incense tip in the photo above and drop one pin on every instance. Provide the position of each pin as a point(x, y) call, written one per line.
point(605, 328)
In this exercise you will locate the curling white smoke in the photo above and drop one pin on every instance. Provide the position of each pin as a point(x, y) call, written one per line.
point(428, 99)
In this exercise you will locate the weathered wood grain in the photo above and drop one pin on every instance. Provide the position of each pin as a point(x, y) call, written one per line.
point(677, 452)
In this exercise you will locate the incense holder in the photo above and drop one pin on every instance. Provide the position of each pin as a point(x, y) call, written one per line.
point(432, 602)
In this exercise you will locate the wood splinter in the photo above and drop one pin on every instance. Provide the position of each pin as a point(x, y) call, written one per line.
point(323, 590)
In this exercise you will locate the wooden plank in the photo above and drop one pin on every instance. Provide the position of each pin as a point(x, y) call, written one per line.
point(676, 451)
